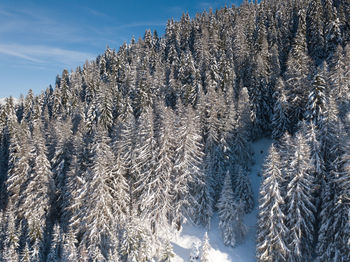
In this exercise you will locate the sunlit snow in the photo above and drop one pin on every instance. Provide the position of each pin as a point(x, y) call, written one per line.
point(220, 253)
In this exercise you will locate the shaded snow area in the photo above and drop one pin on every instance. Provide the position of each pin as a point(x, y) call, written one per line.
point(192, 234)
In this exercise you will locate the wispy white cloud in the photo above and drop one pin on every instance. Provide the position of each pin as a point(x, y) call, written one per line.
point(98, 13)
point(38, 24)
point(10, 51)
point(40, 37)
point(45, 54)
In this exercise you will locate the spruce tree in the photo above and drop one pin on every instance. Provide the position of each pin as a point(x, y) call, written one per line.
point(334, 208)
point(188, 76)
point(314, 30)
point(167, 253)
point(341, 226)
point(231, 214)
point(134, 243)
point(243, 190)
point(296, 75)
point(12, 241)
point(272, 231)
point(153, 191)
point(39, 189)
point(280, 120)
point(187, 164)
point(238, 149)
point(19, 165)
point(205, 249)
point(225, 78)
point(69, 250)
point(105, 108)
point(203, 210)
point(317, 101)
point(97, 213)
point(61, 160)
point(195, 252)
point(54, 254)
point(300, 203)
point(317, 165)
point(26, 254)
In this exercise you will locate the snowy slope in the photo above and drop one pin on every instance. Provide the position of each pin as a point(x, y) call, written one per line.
point(220, 253)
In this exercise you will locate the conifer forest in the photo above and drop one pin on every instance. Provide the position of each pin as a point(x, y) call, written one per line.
point(126, 148)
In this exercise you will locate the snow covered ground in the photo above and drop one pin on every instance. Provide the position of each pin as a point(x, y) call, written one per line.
point(245, 252)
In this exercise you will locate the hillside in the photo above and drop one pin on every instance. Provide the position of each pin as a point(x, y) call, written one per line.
point(121, 153)
point(220, 253)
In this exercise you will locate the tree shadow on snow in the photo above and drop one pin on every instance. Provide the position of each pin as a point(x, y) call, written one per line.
point(184, 253)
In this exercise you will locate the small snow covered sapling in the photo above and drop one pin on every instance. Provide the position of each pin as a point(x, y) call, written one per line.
point(168, 252)
point(195, 252)
point(205, 249)
point(25, 254)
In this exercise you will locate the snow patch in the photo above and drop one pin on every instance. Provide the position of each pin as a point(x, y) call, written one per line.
point(245, 252)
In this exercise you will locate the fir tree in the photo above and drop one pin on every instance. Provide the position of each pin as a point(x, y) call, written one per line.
point(300, 203)
point(61, 160)
point(188, 77)
point(187, 164)
point(19, 164)
point(153, 128)
point(69, 250)
point(203, 210)
point(153, 191)
point(39, 191)
point(105, 108)
point(272, 230)
point(167, 253)
point(243, 190)
point(315, 36)
point(12, 241)
point(26, 254)
point(231, 215)
point(97, 213)
point(334, 208)
point(54, 254)
point(280, 121)
point(205, 249)
point(134, 242)
point(296, 74)
point(340, 226)
point(317, 100)
point(195, 252)
point(238, 149)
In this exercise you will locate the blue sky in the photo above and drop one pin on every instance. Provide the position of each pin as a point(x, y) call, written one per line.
point(38, 39)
